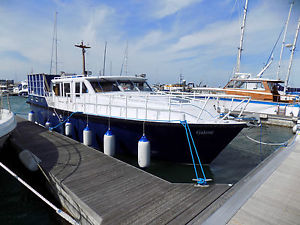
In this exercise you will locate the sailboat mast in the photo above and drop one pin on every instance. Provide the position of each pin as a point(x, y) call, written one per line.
point(56, 43)
point(291, 57)
point(237, 70)
point(104, 58)
point(283, 40)
point(126, 60)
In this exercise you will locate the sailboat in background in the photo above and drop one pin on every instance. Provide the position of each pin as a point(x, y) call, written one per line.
point(267, 98)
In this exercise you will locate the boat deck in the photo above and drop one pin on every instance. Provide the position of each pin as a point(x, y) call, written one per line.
point(96, 188)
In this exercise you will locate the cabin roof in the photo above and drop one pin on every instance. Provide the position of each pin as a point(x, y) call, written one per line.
point(120, 78)
point(258, 80)
point(99, 78)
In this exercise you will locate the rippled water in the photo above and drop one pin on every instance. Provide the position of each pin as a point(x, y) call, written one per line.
point(19, 206)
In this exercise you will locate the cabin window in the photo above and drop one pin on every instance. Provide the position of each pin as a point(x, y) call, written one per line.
point(84, 89)
point(239, 84)
point(67, 89)
point(77, 88)
point(127, 85)
point(56, 89)
point(273, 87)
point(104, 86)
point(246, 85)
point(142, 86)
point(97, 86)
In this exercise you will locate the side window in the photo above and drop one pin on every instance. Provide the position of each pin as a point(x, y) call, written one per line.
point(67, 89)
point(84, 89)
point(77, 89)
point(56, 89)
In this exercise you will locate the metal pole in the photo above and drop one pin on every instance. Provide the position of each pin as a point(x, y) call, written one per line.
point(242, 39)
point(291, 58)
point(56, 43)
point(283, 40)
point(58, 211)
point(104, 58)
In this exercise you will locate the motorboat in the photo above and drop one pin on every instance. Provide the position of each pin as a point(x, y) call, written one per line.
point(128, 107)
point(7, 125)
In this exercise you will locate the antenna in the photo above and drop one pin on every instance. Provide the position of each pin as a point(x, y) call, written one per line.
point(291, 58)
point(125, 61)
point(104, 58)
point(110, 68)
point(283, 39)
point(242, 39)
point(83, 47)
point(54, 41)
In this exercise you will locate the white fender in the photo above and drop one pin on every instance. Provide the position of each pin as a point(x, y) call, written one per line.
point(144, 152)
point(68, 128)
point(109, 143)
point(31, 116)
point(87, 136)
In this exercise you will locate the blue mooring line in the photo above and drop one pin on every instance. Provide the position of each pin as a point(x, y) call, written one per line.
point(59, 124)
point(189, 136)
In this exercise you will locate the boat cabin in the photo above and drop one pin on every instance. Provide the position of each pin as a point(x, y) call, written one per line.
point(78, 85)
point(257, 89)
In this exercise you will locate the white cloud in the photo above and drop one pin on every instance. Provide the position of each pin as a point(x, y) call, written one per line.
point(169, 7)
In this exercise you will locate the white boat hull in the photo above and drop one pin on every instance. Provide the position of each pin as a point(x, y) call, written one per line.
point(7, 125)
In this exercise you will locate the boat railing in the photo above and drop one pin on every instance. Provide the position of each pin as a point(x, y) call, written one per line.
point(147, 107)
point(293, 99)
point(68, 76)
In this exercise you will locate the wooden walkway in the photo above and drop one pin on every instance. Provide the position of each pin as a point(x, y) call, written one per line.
point(277, 200)
point(269, 194)
point(98, 189)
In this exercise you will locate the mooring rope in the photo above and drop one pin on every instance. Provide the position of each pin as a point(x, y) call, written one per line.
point(61, 123)
point(265, 143)
point(201, 181)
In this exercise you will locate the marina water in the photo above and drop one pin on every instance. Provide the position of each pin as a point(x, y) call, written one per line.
point(19, 206)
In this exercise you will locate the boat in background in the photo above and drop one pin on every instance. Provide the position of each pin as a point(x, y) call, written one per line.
point(23, 89)
point(268, 97)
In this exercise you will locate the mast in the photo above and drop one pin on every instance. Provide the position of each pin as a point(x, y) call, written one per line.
point(291, 57)
point(83, 47)
point(283, 40)
point(54, 42)
point(126, 60)
point(237, 70)
point(104, 58)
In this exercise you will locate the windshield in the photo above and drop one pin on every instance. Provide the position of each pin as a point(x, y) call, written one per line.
point(128, 85)
point(104, 86)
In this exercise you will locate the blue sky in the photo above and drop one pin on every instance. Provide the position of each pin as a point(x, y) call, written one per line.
point(198, 38)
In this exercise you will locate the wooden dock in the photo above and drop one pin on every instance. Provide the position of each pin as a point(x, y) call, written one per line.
point(267, 195)
point(98, 189)
point(277, 200)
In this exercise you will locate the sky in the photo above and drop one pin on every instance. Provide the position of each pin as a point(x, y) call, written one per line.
point(196, 38)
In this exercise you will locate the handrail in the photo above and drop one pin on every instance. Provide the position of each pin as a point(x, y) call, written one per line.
point(72, 103)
